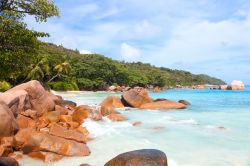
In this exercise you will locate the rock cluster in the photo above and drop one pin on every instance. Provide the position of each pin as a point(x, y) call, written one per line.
point(46, 127)
point(139, 98)
point(41, 124)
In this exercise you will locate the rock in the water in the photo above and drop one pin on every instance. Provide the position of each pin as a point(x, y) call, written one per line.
point(185, 102)
point(144, 157)
point(117, 117)
point(136, 97)
point(163, 105)
point(8, 161)
point(112, 101)
point(83, 112)
point(8, 124)
point(29, 140)
point(237, 85)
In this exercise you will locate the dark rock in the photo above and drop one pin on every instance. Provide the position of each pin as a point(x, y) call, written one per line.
point(144, 157)
point(8, 161)
point(185, 102)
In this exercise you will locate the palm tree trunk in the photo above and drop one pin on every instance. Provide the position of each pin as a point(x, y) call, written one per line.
point(53, 78)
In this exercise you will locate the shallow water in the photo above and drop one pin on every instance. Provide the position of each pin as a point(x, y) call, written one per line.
point(213, 131)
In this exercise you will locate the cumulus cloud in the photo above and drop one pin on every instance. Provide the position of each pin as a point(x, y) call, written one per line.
point(130, 53)
point(195, 35)
point(85, 52)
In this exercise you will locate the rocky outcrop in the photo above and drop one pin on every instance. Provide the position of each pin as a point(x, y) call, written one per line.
point(8, 124)
point(145, 157)
point(109, 104)
point(83, 112)
point(46, 125)
point(136, 97)
point(17, 101)
point(29, 140)
point(163, 105)
point(112, 101)
point(237, 85)
point(60, 131)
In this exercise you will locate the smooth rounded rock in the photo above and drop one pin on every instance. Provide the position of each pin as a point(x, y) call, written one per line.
point(144, 157)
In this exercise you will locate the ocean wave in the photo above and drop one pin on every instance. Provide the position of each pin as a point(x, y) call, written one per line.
point(181, 121)
point(97, 129)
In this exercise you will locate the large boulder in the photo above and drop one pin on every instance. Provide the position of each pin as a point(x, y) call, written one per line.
point(29, 140)
point(17, 101)
point(236, 85)
point(144, 157)
point(8, 161)
point(136, 97)
point(163, 105)
point(38, 98)
point(8, 124)
point(60, 131)
point(112, 101)
point(109, 104)
point(83, 112)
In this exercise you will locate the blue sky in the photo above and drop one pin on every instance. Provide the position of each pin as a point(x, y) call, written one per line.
point(201, 36)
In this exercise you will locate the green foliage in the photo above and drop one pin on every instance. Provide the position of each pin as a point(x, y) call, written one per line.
point(4, 86)
point(63, 86)
point(18, 44)
point(96, 72)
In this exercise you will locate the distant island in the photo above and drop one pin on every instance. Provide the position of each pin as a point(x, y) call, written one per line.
point(64, 69)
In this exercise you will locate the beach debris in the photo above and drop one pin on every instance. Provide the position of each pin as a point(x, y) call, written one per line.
point(142, 157)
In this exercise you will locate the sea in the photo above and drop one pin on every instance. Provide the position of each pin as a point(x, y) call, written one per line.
point(213, 131)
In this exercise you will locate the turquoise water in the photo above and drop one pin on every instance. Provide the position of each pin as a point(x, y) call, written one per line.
point(213, 131)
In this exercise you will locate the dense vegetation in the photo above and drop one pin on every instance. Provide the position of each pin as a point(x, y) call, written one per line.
point(23, 57)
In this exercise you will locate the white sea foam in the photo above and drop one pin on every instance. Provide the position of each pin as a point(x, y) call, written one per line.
point(97, 129)
point(183, 121)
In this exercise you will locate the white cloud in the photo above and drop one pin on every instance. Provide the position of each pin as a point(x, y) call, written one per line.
point(85, 52)
point(129, 53)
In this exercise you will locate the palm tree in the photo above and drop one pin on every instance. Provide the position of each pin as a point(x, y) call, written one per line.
point(63, 68)
point(39, 70)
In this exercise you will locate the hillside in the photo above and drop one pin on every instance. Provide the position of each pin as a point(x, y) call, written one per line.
point(66, 69)
point(95, 72)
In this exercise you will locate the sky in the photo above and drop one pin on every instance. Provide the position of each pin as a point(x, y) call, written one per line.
point(201, 36)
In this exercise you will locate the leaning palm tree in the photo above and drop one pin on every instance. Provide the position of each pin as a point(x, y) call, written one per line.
point(63, 68)
point(39, 70)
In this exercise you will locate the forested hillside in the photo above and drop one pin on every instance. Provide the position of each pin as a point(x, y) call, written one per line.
point(65, 69)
